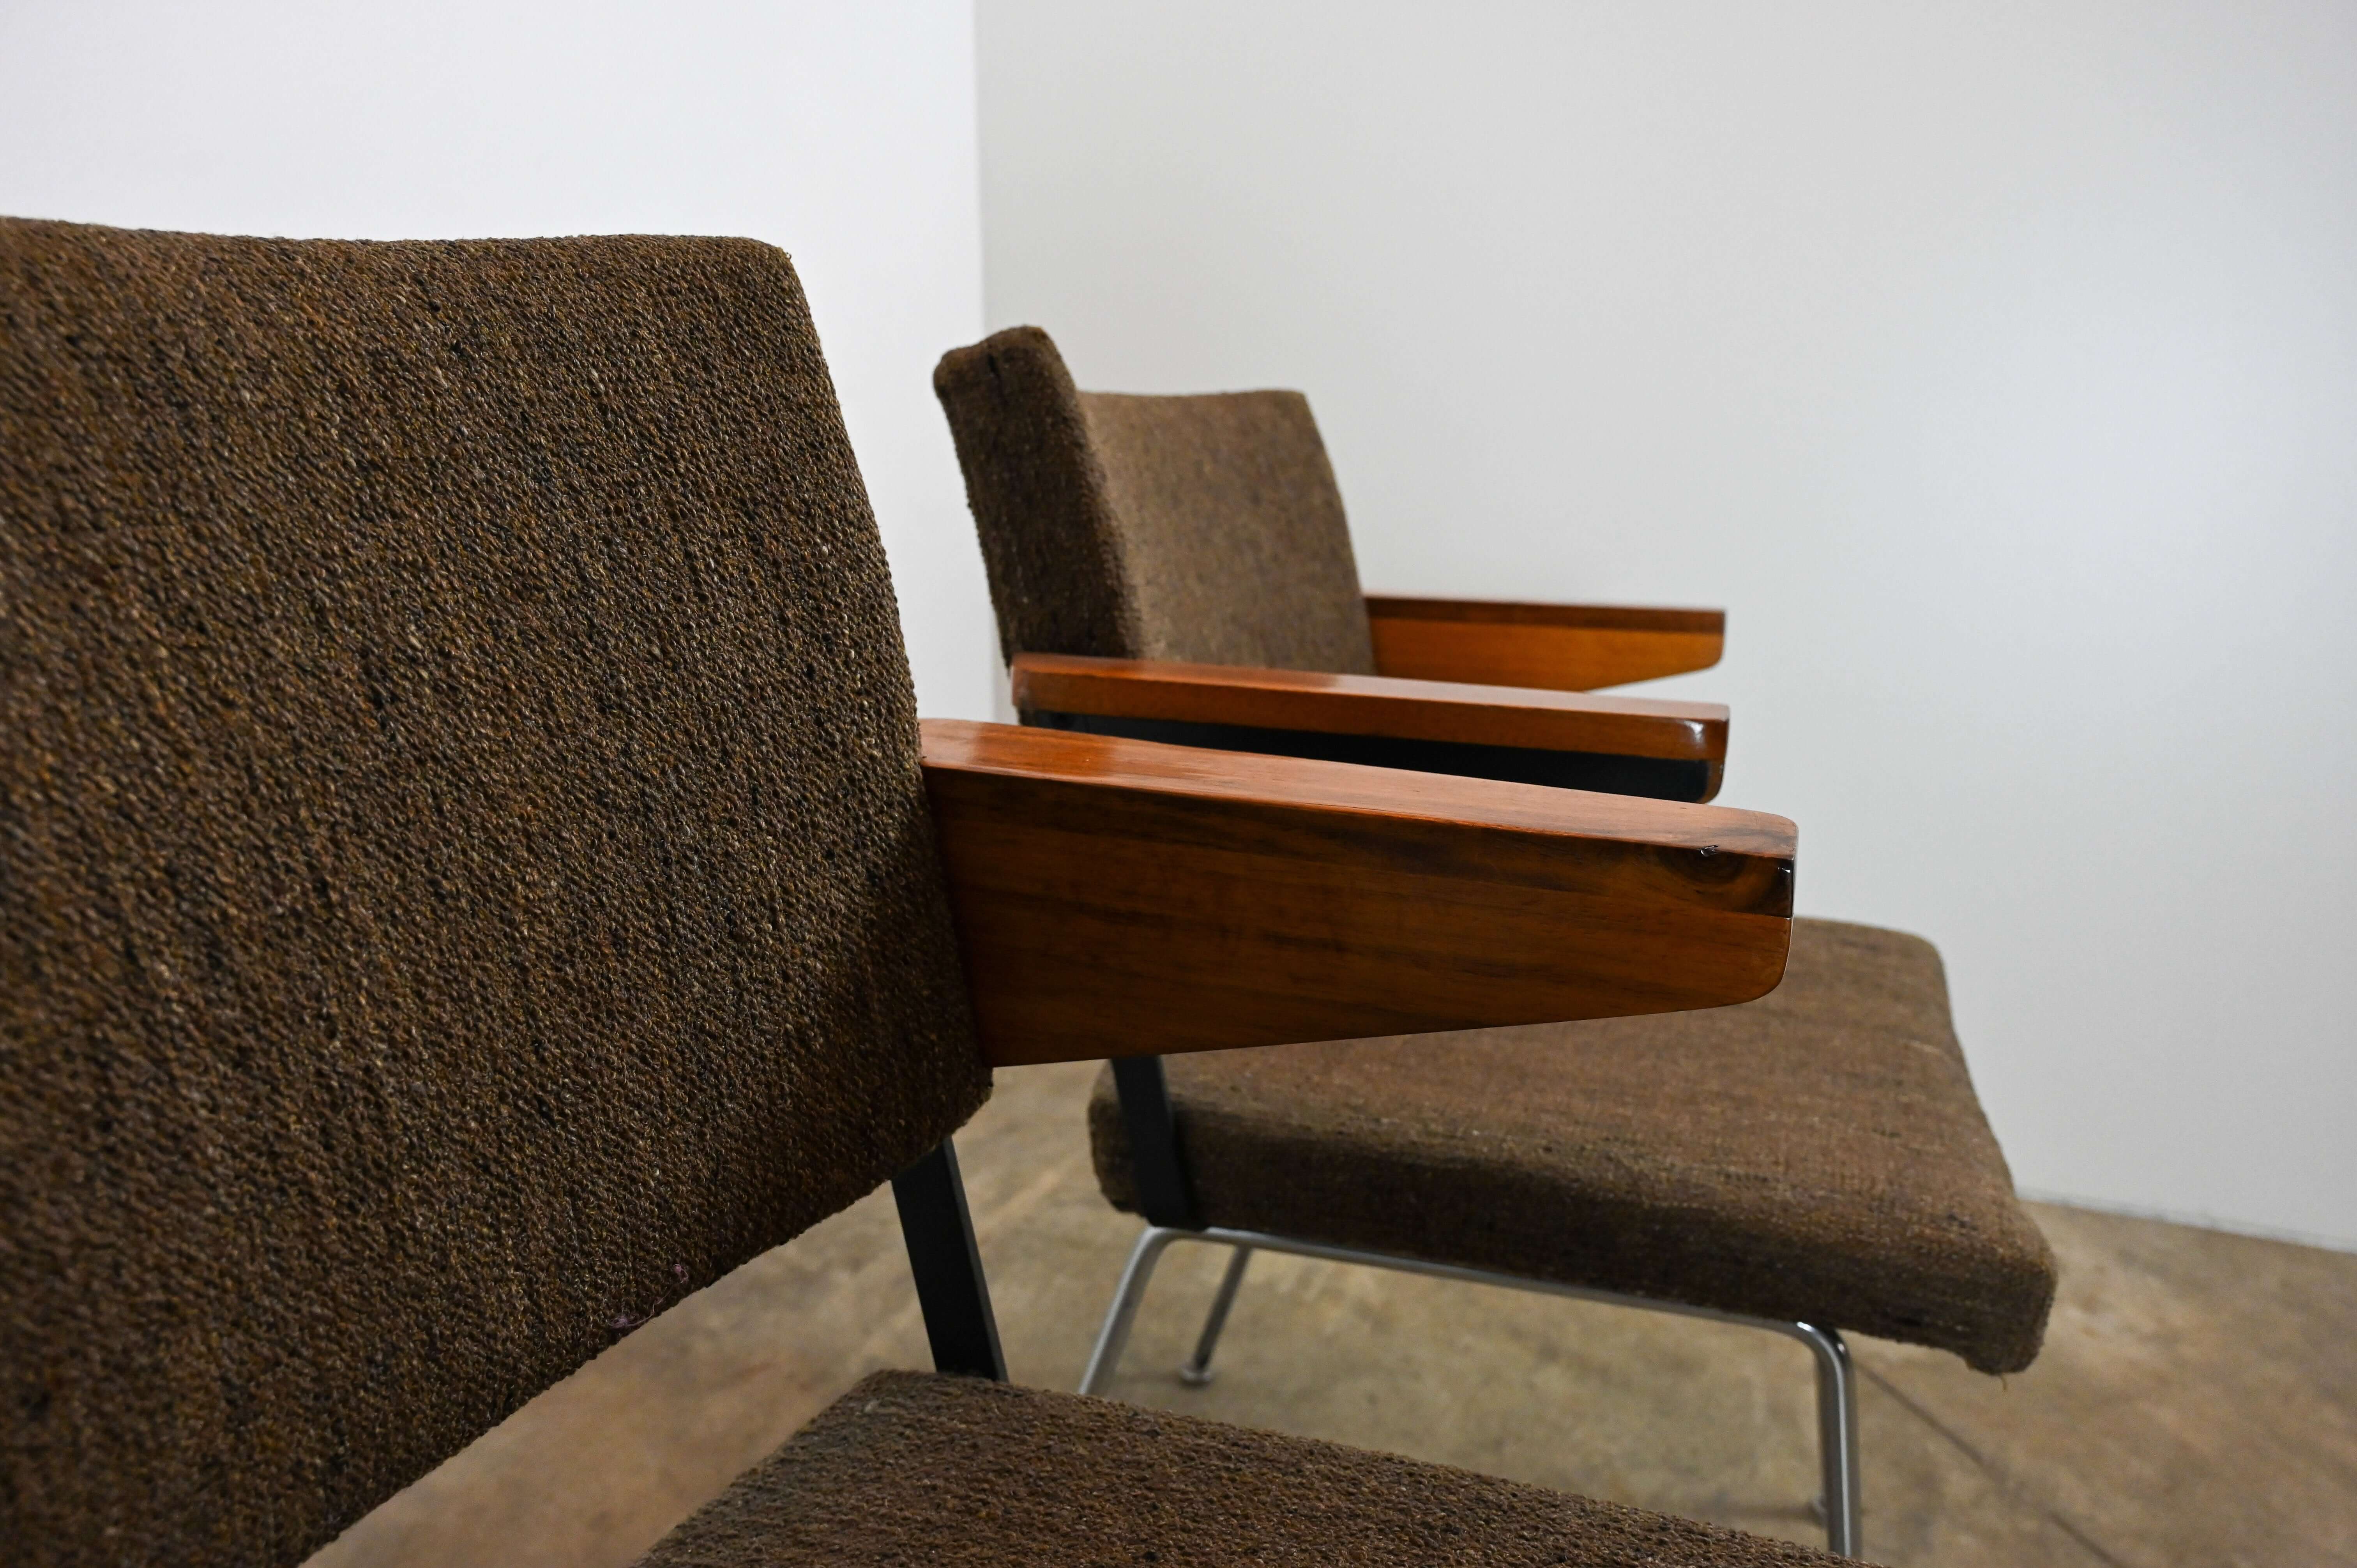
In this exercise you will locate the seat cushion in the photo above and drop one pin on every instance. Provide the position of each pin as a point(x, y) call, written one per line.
point(912, 1467)
point(1815, 1155)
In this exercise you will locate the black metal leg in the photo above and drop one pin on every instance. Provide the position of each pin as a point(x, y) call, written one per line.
point(1163, 1191)
point(942, 1254)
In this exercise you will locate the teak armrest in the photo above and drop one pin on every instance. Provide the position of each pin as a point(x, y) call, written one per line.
point(1626, 745)
point(1564, 647)
point(1120, 897)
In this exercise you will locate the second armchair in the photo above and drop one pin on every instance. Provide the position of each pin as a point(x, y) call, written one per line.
point(1180, 568)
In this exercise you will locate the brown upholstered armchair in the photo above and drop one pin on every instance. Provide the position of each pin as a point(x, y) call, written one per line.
point(471, 866)
point(1180, 568)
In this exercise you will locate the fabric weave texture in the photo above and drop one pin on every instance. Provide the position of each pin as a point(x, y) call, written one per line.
point(1817, 1156)
point(909, 1467)
point(464, 879)
point(1207, 529)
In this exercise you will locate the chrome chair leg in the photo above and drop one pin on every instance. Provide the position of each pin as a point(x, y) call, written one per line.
point(1196, 1369)
point(1837, 1437)
point(1135, 1278)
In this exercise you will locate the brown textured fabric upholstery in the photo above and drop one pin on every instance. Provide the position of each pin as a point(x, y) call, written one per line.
point(1815, 1155)
point(1205, 528)
point(913, 1468)
point(466, 880)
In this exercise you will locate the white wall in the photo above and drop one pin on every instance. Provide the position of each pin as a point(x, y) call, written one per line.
point(843, 132)
point(1994, 364)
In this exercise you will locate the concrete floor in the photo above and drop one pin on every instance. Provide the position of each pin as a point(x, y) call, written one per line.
point(2196, 1404)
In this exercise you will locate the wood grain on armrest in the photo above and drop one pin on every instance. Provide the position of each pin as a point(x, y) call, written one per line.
point(1370, 705)
point(1121, 897)
point(1564, 647)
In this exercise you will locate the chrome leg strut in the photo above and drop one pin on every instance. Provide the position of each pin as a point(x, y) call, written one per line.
point(1837, 1379)
point(1196, 1369)
point(1135, 1278)
point(1836, 1436)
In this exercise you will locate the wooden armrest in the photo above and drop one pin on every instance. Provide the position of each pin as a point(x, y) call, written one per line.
point(1370, 704)
point(1564, 647)
point(1625, 745)
point(1120, 897)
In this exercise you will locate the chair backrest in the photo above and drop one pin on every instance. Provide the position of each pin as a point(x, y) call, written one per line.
point(465, 875)
point(1203, 528)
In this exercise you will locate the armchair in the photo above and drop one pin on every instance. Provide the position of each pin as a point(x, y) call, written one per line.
point(1180, 568)
point(472, 868)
